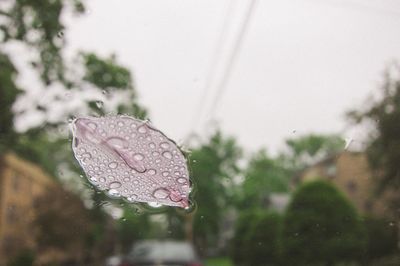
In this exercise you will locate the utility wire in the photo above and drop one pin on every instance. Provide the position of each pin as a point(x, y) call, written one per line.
point(210, 76)
point(232, 58)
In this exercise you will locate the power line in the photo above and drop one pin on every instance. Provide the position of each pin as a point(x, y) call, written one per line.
point(232, 58)
point(210, 76)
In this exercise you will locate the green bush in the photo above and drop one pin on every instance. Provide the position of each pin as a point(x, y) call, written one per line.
point(242, 228)
point(382, 238)
point(321, 227)
point(262, 243)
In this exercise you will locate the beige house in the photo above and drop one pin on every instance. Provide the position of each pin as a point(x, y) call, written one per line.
point(350, 172)
point(20, 183)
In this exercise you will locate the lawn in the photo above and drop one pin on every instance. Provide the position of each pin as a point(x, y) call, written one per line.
point(218, 262)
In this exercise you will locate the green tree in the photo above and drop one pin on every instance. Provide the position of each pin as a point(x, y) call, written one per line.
point(321, 227)
point(263, 176)
point(382, 238)
point(307, 149)
point(8, 94)
point(132, 227)
point(213, 166)
point(242, 228)
point(100, 85)
point(263, 241)
point(383, 148)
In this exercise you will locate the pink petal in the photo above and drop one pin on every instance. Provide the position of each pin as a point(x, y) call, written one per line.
point(131, 159)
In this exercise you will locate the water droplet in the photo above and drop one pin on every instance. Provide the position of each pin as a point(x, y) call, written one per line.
point(127, 179)
point(102, 179)
point(152, 145)
point(175, 196)
point(132, 198)
point(167, 155)
point(113, 165)
point(161, 193)
point(99, 104)
point(138, 156)
point(114, 193)
point(114, 185)
point(86, 155)
point(152, 172)
point(121, 124)
point(164, 145)
point(177, 173)
point(116, 142)
point(165, 173)
point(92, 125)
point(348, 143)
point(181, 180)
point(142, 129)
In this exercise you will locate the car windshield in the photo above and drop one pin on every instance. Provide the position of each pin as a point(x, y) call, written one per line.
point(199, 133)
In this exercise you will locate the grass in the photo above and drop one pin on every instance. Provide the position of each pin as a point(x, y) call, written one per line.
point(218, 262)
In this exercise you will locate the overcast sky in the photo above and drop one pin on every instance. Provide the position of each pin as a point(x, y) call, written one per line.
point(301, 65)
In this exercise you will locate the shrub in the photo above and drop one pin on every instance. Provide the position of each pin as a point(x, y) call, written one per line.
point(242, 227)
point(262, 243)
point(322, 227)
point(382, 238)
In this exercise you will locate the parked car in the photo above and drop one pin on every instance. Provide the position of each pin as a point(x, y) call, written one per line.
point(113, 261)
point(162, 253)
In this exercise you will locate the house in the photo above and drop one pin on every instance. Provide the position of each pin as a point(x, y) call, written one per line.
point(350, 172)
point(20, 183)
point(25, 189)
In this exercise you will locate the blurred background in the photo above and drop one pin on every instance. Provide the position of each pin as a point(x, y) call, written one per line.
point(289, 111)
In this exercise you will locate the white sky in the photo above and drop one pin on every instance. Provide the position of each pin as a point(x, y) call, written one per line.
point(301, 66)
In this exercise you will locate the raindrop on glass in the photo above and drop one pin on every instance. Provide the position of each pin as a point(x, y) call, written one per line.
point(99, 104)
point(167, 154)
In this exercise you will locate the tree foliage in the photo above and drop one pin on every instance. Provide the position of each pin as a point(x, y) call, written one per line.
point(132, 227)
point(96, 85)
point(38, 24)
point(263, 240)
point(263, 176)
point(382, 238)
point(8, 94)
point(322, 227)
point(213, 166)
point(307, 149)
point(242, 228)
point(383, 113)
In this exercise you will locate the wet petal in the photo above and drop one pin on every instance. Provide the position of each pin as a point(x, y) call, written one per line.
point(129, 158)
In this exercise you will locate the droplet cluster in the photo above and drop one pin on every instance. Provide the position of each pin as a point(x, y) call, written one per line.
point(131, 159)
